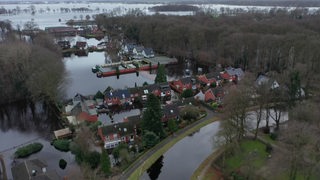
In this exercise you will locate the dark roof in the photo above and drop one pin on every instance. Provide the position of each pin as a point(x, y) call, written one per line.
point(124, 128)
point(215, 75)
point(148, 51)
point(186, 80)
point(164, 86)
point(24, 170)
point(171, 110)
point(139, 48)
point(130, 46)
point(134, 90)
point(119, 93)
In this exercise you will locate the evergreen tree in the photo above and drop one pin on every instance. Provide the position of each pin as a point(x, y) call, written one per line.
point(105, 162)
point(151, 120)
point(161, 75)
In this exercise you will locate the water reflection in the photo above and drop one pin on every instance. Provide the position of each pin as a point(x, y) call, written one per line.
point(180, 161)
point(155, 169)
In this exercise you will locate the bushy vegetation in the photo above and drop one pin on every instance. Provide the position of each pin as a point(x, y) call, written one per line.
point(62, 144)
point(187, 93)
point(105, 163)
point(62, 163)
point(28, 150)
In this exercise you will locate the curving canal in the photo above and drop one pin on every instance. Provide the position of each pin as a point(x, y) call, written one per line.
point(184, 157)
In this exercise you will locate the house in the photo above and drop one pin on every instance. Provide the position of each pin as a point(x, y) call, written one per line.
point(235, 73)
point(263, 79)
point(204, 81)
point(219, 93)
point(128, 48)
point(81, 45)
point(117, 97)
point(137, 52)
point(34, 169)
point(207, 96)
point(62, 133)
point(61, 31)
point(148, 53)
point(170, 111)
point(214, 76)
point(151, 88)
point(81, 108)
point(226, 77)
point(124, 132)
point(183, 84)
point(64, 44)
point(165, 90)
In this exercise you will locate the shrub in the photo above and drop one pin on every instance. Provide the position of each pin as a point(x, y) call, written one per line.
point(93, 159)
point(268, 148)
point(273, 136)
point(62, 164)
point(28, 150)
point(62, 144)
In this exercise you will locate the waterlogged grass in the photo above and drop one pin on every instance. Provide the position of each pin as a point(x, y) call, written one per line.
point(145, 165)
point(251, 152)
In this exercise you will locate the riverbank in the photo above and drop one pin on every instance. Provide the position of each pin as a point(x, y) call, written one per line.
point(147, 159)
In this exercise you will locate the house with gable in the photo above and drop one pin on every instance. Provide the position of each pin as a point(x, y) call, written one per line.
point(183, 84)
point(205, 96)
point(214, 76)
point(170, 111)
point(263, 79)
point(235, 73)
point(205, 81)
point(81, 108)
point(148, 53)
point(137, 52)
point(226, 77)
point(125, 132)
point(82, 45)
point(128, 48)
point(117, 97)
point(165, 90)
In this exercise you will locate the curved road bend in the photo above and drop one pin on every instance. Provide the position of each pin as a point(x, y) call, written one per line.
point(126, 174)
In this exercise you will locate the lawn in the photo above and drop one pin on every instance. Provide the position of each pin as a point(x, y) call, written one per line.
point(252, 153)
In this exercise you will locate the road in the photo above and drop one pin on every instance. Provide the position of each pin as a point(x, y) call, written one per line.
point(126, 174)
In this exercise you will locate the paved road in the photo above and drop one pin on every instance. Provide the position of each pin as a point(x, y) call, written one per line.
point(126, 174)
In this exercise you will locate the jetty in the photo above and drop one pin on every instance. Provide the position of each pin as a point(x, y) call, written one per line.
point(133, 66)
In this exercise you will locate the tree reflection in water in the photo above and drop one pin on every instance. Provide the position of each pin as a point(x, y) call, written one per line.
point(155, 169)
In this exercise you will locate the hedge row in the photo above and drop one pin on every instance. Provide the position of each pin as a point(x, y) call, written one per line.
point(28, 150)
point(62, 144)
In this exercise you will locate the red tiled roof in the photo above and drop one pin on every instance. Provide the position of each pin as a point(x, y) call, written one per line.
point(209, 96)
point(87, 117)
point(225, 76)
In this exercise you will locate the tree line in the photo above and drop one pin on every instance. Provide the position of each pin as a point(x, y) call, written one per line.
point(29, 70)
point(259, 42)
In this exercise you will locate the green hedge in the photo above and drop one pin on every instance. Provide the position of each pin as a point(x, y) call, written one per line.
point(28, 150)
point(62, 144)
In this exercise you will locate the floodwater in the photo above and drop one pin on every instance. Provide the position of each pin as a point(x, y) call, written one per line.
point(181, 160)
point(19, 127)
point(81, 79)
